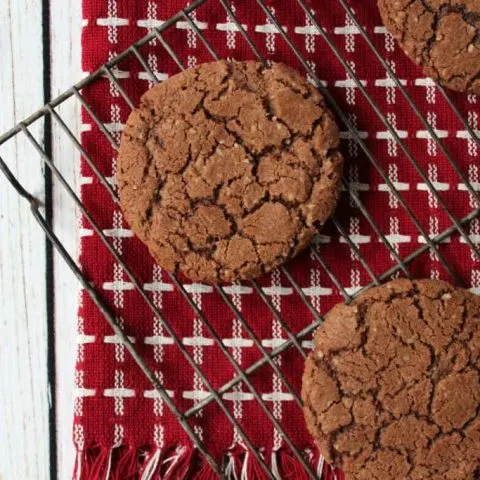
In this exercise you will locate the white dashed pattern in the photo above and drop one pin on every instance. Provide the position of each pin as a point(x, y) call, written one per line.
point(317, 286)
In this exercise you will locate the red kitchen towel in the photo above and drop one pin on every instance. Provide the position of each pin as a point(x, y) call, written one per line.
point(123, 429)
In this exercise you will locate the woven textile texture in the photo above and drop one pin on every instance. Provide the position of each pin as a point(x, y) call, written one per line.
point(122, 428)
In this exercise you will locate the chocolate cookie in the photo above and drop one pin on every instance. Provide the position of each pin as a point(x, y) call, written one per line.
point(441, 35)
point(392, 388)
point(227, 170)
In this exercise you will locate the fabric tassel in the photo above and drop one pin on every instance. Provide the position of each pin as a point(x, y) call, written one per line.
point(126, 466)
point(96, 465)
point(131, 463)
point(320, 466)
point(151, 465)
point(109, 465)
point(290, 466)
point(244, 472)
point(275, 467)
point(178, 465)
point(338, 475)
point(233, 465)
point(205, 472)
point(77, 469)
point(253, 468)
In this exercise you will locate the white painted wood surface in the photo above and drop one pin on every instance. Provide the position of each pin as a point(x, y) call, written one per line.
point(24, 392)
point(23, 359)
point(65, 48)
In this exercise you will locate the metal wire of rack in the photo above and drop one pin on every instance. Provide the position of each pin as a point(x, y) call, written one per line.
point(458, 225)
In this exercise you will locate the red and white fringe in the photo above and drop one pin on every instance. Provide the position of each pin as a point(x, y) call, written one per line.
point(184, 462)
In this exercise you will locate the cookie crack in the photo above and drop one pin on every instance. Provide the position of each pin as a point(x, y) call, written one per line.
point(419, 39)
point(326, 364)
point(157, 142)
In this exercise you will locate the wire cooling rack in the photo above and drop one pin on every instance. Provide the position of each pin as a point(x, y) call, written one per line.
point(431, 243)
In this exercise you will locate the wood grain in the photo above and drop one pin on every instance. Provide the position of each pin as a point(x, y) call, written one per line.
point(24, 392)
point(65, 48)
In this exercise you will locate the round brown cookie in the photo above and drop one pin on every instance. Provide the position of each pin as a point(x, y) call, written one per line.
point(441, 35)
point(227, 170)
point(392, 388)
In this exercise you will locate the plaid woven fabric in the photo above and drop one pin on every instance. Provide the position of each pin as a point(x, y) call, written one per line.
point(123, 429)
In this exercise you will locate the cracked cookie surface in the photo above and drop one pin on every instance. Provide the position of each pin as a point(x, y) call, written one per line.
point(443, 36)
point(392, 388)
point(227, 170)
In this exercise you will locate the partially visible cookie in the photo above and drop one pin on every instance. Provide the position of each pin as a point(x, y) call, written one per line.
point(392, 388)
point(227, 170)
point(443, 36)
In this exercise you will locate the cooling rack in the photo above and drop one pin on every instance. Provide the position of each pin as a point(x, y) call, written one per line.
point(430, 243)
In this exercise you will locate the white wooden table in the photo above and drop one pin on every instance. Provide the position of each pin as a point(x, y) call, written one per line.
point(31, 449)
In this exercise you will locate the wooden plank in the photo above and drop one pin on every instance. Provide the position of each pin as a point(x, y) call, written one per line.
point(65, 48)
point(24, 392)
